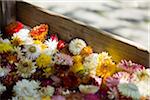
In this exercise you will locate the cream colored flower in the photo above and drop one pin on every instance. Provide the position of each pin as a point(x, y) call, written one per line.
point(47, 91)
point(76, 45)
point(25, 67)
point(87, 89)
point(91, 62)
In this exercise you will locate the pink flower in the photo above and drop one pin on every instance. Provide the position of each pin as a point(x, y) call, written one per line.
point(63, 59)
point(129, 66)
point(58, 97)
point(120, 77)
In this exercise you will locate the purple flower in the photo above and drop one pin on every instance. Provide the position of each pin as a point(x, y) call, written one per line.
point(91, 97)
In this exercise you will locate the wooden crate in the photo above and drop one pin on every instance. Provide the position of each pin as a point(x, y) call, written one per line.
point(67, 29)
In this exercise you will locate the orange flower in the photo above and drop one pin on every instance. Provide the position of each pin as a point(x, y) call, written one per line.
point(86, 51)
point(39, 32)
point(11, 58)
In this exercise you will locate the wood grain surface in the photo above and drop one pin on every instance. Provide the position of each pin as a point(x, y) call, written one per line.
point(68, 29)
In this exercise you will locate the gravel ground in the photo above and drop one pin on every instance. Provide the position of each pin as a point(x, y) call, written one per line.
point(126, 18)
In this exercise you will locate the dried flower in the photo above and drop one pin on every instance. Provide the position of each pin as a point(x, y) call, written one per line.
point(5, 47)
point(25, 67)
point(129, 66)
point(32, 51)
point(129, 90)
point(106, 66)
point(77, 67)
point(87, 89)
point(91, 62)
point(13, 27)
point(63, 59)
point(47, 91)
point(43, 61)
point(26, 88)
point(86, 51)
point(76, 45)
point(39, 32)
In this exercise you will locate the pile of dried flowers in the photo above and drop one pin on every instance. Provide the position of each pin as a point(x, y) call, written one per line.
point(36, 65)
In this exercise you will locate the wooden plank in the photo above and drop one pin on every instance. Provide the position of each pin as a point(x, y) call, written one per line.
point(67, 29)
point(7, 12)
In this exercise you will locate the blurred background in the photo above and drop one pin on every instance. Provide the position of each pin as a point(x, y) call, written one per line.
point(127, 18)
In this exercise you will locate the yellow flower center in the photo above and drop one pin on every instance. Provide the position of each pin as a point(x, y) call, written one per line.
point(32, 49)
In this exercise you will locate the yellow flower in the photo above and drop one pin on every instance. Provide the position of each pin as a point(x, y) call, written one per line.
point(77, 67)
point(43, 46)
point(5, 47)
point(48, 71)
point(46, 98)
point(77, 58)
point(43, 61)
point(106, 66)
point(16, 41)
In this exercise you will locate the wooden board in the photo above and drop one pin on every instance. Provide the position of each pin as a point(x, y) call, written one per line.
point(67, 29)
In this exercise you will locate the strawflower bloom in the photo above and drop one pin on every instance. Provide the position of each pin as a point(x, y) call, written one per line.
point(25, 67)
point(43, 61)
point(76, 45)
point(39, 32)
point(106, 66)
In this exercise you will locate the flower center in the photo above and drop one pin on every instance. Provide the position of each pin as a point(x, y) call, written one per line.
point(32, 49)
point(25, 64)
point(143, 76)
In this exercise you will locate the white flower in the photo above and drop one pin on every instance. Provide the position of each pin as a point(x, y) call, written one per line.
point(87, 89)
point(47, 91)
point(76, 45)
point(32, 51)
point(143, 74)
point(91, 62)
point(18, 51)
point(144, 87)
point(26, 88)
point(28, 41)
point(26, 98)
point(142, 81)
point(2, 88)
point(4, 71)
point(22, 34)
point(129, 90)
point(52, 46)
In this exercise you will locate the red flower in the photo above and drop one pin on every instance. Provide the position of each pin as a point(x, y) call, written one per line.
point(13, 27)
point(54, 37)
point(61, 44)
